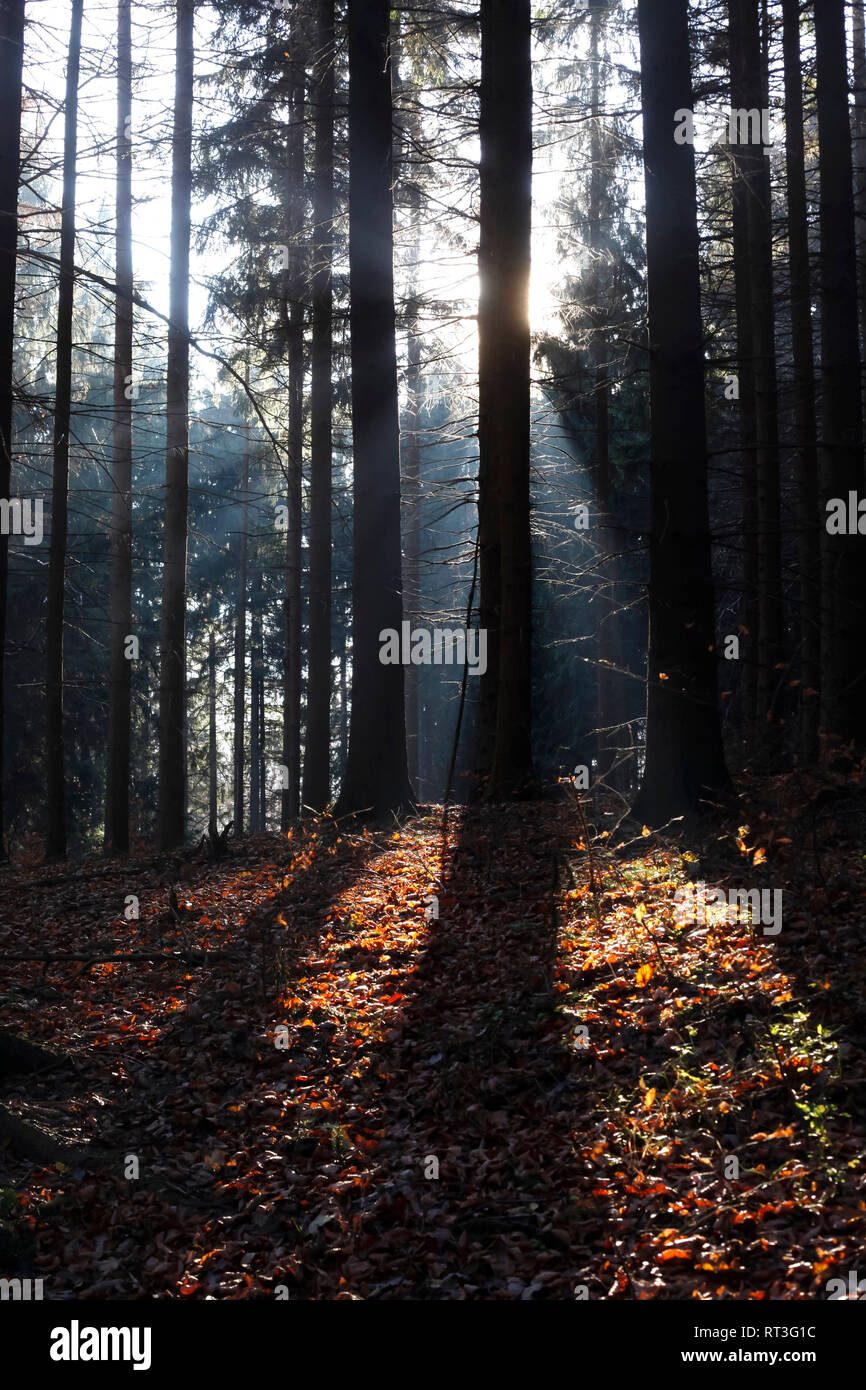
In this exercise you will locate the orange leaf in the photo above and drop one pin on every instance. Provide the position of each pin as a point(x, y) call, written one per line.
point(645, 974)
point(649, 1097)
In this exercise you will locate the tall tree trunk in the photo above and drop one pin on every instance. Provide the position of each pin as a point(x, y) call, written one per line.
point(212, 733)
point(11, 63)
point(411, 482)
point(256, 663)
point(503, 393)
point(344, 712)
point(240, 681)
point(609, 710)
point(55, 783)
point(843, 707)
point(376, 773)
point(749, 91)
point(290, 801)
point(808, 513)
point(172, 647)
point(748, 455)
point(407, 139)
point(317, 746)
point(859, 158)
point(117, 781)
point(684, 757)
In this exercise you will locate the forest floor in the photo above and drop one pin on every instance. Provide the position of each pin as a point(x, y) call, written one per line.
point(537, 1094)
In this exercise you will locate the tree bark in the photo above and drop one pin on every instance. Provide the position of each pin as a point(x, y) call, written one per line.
point(503, 396)
point(55, 846)
point(684, 757)
point(803, 353)
point(240, 654)
point(120, 669)
point(256, 748)
point(749, 91)
point(212, 735)
point(376, 777)
point(11, 63)
point(843, 708)
point(290, 801)
point(172, 654)
point(317, 746)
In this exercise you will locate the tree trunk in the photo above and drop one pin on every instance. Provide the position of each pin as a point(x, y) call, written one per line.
point(317, 745)
point(290, 801)
point(609, 710)
point(11, 62)
point(117, 780)
point(55, 785)
point(859, 167)
point(376, 774)
point(503, 395)
point(808, 513)
point(239, 702)
point(172, 647)
point(684, 757)
point(843, 708)
point(212, 735)
point(256, 750)
point(749, 92)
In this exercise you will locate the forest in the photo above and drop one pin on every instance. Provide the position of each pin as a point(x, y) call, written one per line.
point(433, 655)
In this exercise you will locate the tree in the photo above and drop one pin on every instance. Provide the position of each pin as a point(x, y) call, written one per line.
point(376, 777)
point(240, 652)
point(172, 647)
point(293, 324)
point(843, 709)
point(802, 350)
point(317, 745)
point(685, 763)
point(503, 397)
point(11, 62)
point(753, 261)
point(117, 778)
point(55, 845)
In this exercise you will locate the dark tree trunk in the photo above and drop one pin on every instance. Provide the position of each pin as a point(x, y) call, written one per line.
point(503, 397)
point(609, 688)
point(172, 653)
point(749, 92)
point(212, 735)
point(411, 476)
point(290, 801)
point(376, 773)
point(843, 706)
point(256, 742)
point(859, 161)
point(240, 681)
point(684, 757)
point(317, 745)
point(808, 512)
point(55, 784)
point(11, 62)
point(344, 712)
point(117, 781)
point(407, 136)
